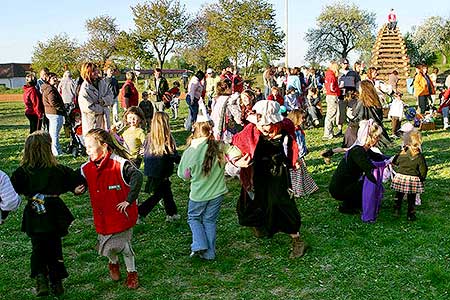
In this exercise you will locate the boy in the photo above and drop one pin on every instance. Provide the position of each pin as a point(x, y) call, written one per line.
point(147, 108)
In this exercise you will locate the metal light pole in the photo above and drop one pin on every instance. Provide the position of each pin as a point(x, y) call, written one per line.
point(286, 32)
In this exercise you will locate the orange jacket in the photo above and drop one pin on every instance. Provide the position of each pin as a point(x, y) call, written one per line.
point(421, 87)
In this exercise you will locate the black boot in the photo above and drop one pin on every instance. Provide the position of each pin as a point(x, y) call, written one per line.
point(41, 285)
point(57, 287)
point(411, 207)
point(397, 207)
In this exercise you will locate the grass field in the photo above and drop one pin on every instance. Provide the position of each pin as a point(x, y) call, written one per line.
point(347, 259)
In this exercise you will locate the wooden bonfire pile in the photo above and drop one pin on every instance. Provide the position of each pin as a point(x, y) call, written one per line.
point(389, 54)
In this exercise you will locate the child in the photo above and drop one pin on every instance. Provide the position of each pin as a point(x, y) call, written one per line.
point(411, 171)
point(203, 164)
point(258, 94)
point(396, 112)
point(302, 182)
point(312, 101)
point(175, 102)
point(159, 156)
point(114, 184)
point(275, 95)
point(290, 100)
point(46, 218)
point(9, 199)
point(133, 135)
point(147, 108)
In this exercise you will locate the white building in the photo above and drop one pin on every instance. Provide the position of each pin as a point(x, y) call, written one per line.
point(13, 75)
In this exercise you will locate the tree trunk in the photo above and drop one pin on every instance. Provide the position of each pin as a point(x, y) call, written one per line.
point(444, 59)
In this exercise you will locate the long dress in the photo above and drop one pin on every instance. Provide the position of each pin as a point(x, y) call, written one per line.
point(272, 208)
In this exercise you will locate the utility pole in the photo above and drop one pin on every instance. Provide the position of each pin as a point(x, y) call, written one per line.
point(286, 12)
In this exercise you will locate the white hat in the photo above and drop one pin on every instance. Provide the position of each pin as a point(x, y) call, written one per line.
point(202, 115)
point(209, 71)
point(269, 112)
point(407, 127)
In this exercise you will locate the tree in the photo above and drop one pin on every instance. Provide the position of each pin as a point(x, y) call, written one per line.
point(59, 53)
point(242, 31)
point(102, 43)
point(131, 53)
point(433, 36)
point(160, 25)
point(341, 28)
point(415, 53)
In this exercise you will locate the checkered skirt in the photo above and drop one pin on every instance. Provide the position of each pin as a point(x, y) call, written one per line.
point(302, 183)
point(407, 184)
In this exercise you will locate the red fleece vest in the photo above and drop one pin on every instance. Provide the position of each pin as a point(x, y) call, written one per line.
point(134, 97)
point(107, 188)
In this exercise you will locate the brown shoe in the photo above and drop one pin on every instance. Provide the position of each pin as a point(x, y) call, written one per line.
point(298, 248)
point(259, 232)
point(114, 271)
point(41, 285)
point(132, 281)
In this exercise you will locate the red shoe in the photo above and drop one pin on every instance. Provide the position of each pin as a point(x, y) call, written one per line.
point(114, 271)
point(132, 281)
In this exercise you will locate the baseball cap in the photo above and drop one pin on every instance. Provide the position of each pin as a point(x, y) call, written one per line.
point(209, 71)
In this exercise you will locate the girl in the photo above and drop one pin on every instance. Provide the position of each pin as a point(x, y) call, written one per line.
point(411, 171)
point(203, 165)
point(302, 182)
point(114, 184)
point(396, 112)
point(246, 103)
point(133, 134)
point(159, 155)
point(46, 218)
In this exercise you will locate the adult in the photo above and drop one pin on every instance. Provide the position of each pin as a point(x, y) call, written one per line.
point(225, 113)
point(447, 81)
point(392, 20)
point(444, 107)
point(159, 87)
point(433, 77)
point(368, 107)
point(267, 78)
point(293, 81)
point(113, 85)
point(269, 151)
point(237, 82)
point(393, 80)
point(43, 78)
point(423, 87)
point(211, 81)
point(333, 92)
point(195, 89)
point(346, 184)
point(94, 99)
point(34, 108)
point(9, 199)
point(129, 95)
point(54, 110)
point(67, 89)
point(349, 83)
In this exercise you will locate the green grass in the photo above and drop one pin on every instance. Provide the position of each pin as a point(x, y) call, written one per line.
point(347, 259)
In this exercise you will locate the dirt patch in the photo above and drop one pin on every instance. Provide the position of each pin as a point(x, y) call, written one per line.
point(10, 97)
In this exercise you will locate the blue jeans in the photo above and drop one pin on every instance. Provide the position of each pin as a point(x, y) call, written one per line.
point(193, 108)
point(202, 218)
point(55, 123)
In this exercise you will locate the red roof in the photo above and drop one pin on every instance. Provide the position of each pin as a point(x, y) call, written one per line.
point(14, 70)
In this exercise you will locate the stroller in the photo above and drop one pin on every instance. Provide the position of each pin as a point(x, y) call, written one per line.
point(74, 127)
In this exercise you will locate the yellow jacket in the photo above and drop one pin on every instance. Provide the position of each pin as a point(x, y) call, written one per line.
point(421, 87)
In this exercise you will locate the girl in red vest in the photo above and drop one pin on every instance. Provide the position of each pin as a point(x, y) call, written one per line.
point(114, 184)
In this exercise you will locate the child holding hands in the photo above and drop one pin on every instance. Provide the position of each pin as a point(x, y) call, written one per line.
point(114, 184)
point(46, 218)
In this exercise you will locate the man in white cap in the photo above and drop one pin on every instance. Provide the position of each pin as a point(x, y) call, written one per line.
point(211, 82)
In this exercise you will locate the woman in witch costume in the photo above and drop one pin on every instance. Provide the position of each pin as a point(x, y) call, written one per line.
point(269, 150)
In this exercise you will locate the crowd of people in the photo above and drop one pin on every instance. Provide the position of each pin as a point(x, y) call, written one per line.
point(257, 135)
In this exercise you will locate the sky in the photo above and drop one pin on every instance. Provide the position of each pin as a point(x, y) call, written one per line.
point(24, 23)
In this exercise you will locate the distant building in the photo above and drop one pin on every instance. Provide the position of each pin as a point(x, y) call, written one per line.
point(13, 75)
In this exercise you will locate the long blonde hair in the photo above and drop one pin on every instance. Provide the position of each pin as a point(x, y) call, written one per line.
point(335, 68)
point(368, 95)
point(160, 140)
point(375, 131)
point(412, 141)
point(38, 151)
point(214, 150)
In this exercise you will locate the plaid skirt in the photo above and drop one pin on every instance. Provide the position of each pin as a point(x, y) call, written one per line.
point(302, 182)
point(407, 184)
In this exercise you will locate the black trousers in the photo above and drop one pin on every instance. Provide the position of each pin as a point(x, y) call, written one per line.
point(35, 123)
point(411, 198)
point(423, 103)
point(47, 257)
point(159, 188)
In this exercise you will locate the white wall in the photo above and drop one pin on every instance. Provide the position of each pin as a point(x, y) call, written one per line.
point(12, 83)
